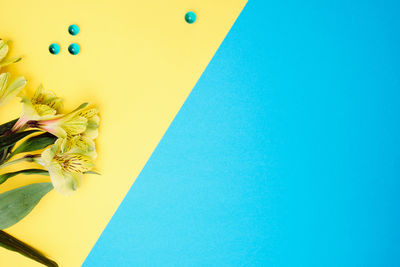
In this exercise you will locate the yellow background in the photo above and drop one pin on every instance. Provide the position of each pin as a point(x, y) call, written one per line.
point(139, 61)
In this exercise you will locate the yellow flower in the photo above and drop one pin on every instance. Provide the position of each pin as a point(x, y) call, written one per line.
point(44, 105)
point(65, 167)
point(71, 124)
point(78, 142)
point(8, 92)
point(3, 53)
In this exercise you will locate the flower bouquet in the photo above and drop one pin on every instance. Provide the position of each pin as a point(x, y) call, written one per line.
point(59, 145)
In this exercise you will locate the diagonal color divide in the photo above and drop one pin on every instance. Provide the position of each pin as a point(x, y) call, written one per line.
point(139, 61)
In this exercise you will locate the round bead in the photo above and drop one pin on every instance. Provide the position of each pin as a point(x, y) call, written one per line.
point(74, 49)
point(73, 29)
point(190, 17)
point(54, 49)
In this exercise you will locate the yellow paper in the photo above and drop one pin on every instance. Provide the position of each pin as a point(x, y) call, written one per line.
point(139, 61)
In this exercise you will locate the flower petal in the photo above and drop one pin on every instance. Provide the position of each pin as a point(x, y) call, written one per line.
point(73, 162)
point(3, 82)
point(12, 90)
point(10, 61)
point(75, 125)
point(48, 156)
point(82, 145)
point(93, 122)
point(3, 49)
point(64, 183)
point(88, 113)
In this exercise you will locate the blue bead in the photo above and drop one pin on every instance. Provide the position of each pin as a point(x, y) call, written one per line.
point(74, 49)
point(54, 49)
point(73, 29)
point(190, 17)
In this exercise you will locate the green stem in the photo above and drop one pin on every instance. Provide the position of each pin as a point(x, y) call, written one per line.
point(12, 162)
point(5, 176)
point(4, 156)
point(27, 158)
point(9, 242)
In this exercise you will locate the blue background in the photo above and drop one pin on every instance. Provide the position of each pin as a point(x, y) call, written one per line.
point(286, 153)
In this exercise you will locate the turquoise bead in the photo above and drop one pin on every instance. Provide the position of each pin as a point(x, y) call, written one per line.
point(74, 49)
point(190, 17)
point(54, 49)
point(73, 29)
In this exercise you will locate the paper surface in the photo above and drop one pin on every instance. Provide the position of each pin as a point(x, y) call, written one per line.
point(139, 61)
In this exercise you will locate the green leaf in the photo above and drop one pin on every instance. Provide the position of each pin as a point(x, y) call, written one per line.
point(7, 126)
point(10, 140)
point(4, 177)
point(17, 203)
point(9, 242)
point(35, 143)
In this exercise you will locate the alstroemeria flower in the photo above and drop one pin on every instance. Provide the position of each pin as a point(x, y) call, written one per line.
point(71, 124)
point(3, 53)
point(65, 167)
point(44, 105)
point(9, 91)
point(83, 143)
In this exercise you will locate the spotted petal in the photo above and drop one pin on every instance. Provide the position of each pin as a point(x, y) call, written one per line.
point(80, 144)
point(73, 162)
point(48, 98)
point(92, 124)
point(65, 169)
